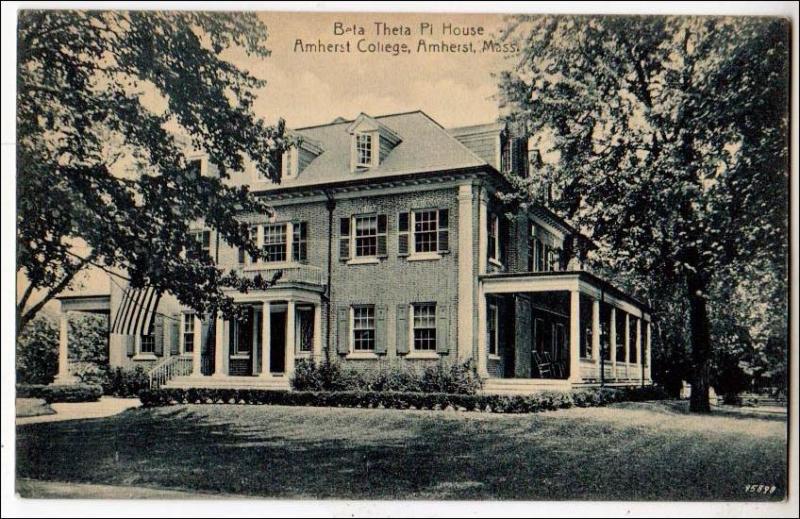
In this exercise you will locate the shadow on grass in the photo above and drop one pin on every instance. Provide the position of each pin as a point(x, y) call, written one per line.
point(352, 453)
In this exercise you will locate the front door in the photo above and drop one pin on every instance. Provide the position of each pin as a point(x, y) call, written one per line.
point(277, 339)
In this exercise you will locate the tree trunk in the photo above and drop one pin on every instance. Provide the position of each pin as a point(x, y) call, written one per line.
point(701, 345)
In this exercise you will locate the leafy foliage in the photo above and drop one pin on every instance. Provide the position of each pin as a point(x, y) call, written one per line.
point(72, 393)
point(669, 138)
point(37, 352)
point(109, 104)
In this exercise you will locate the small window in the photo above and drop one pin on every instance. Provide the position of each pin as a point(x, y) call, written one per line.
point(424, 323)
point(363, 149)
point(494, 239)
point(366, 236)
point(364, 328)
point(201, 245)
point(300, 241)
point(491, 329)
point(505, 158)
point(426, 230)
point(305, 328)
point(148, 344)
point(274, 242)
point(188, 333)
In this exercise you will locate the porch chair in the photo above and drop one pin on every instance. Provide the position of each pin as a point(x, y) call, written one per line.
point(542, 366)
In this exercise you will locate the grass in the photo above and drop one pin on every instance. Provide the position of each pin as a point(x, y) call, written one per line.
point(27, 407)
point(623, 452)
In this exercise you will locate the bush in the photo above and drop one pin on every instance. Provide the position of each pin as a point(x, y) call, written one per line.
point(439, 378)
point(37, 352)
point(30, 390)
point(126, 382)
point(545, 401)
point(72, 393)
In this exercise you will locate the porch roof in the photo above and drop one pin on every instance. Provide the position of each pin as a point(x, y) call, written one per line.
point(581, 280)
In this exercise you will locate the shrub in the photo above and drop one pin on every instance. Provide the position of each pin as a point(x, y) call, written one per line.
point(30, 390)
point(126, 382)
point(72, 393)
point(401, 377)
point(37, 352)
point(545, 401)
point(91, 373)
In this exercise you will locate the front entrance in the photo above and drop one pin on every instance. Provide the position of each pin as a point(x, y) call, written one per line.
point(277, 354)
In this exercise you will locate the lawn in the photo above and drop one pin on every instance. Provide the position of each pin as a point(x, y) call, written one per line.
point(624, 452)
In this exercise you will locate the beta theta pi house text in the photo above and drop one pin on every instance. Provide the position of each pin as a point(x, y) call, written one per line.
point(392, 248)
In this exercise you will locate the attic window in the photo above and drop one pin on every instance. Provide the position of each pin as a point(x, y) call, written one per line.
point(363, 150)
point(289, 163)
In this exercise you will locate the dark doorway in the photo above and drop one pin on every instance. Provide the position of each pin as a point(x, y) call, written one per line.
point(277, 339)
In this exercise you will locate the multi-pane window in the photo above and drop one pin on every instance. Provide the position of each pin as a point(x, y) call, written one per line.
point(491, 329)
point(364, 328)
point(274, 242)
point(426, 226)
point(201, 245)
point(364, 149)
point(188, 333)
point(366, 236)
point(424, 326)
point(505, 159)
point(148, 344)
point(305, 327)
point(300, 241)
point(494, 242)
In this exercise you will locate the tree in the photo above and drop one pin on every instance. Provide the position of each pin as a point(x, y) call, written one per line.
point(671, 138)
point(37, 352)
point(107, 104)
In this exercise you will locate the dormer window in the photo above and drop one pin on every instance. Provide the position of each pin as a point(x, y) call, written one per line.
point(364, 150)
point(289, 163)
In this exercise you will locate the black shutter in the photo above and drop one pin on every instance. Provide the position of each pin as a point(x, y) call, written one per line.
point(503, 239)
point(158, 332)
point(521, 157)
point(342, 329)
point(174, 335)
point(402, 234)
point(382, 232)
point(402, 329)
point(344, 239)
point(444, 232)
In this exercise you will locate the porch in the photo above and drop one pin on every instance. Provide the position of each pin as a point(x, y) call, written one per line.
point(559, 330)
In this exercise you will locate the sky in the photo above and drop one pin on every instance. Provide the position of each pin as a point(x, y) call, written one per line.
point(315, 88)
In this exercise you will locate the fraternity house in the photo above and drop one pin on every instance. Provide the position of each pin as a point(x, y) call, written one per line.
point(391, 247)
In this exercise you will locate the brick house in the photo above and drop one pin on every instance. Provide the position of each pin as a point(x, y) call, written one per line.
point(392, 247)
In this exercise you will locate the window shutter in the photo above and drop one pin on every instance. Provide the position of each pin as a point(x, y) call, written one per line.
point(402, 234)
point(343, 329)
point(174, 337)
point(158, 331)
point(380, 329)
point(503, 239)
point(521, 156)
point(344, 239)
point(204, 329)
point(382, 231)
point(444, 232)
point(130, 345)
point(442, 328)
point(402, 329)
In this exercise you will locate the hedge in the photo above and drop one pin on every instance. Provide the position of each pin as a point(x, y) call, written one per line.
point(544, 401)
point(72, 393)
point(30, 390)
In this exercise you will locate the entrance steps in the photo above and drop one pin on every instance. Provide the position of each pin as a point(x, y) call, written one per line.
point(278, 383)
point(523, 386)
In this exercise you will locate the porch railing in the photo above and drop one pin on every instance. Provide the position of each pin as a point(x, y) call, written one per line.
point(292, 273)
point(169, 368)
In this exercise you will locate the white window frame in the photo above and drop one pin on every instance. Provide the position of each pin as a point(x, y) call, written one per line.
point(370, 136)
point(495, 254)
point(411, 336)
point(353, 350)
point(493, 316)
point(235, 330)
point(187, 317)
point(353, 249)
point(413, 233)
point(259, 239)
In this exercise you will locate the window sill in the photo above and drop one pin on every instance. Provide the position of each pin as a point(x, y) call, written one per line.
point(144, 357)
point(364, 261)
point(361, 355)
point(423, 355)
point(496, 263)
point(424, 256)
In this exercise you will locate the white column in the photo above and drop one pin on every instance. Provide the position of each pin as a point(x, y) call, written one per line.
point(197, 352)
point(627, 345)
point(596, 337)
point(483, 237)
point(317, 332)
point(265, 337)
point(574, 336)
point(290, 340)
point(254, 342)
point(63, 376)
point(612, 341)
point(483, 371)
point(647, 353)
point(219, 344)
point(466, 276)
point(639, 372)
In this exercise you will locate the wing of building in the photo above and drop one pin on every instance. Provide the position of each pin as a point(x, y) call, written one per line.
point(392, 247)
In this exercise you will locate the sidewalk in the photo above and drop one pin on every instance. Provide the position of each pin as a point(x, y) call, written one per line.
point(36, 489)
point(106, 406)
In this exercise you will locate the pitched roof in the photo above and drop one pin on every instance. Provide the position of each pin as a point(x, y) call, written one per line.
point(425, 147)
